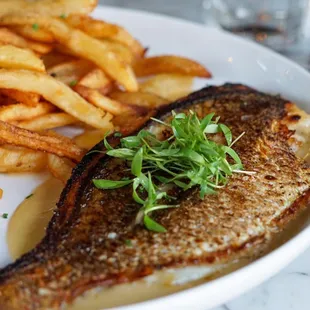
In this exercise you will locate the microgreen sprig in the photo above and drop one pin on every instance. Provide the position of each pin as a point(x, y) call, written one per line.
point(187, 158)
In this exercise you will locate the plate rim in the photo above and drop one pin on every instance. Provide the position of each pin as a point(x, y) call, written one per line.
point(302, 238)
point(301, 241)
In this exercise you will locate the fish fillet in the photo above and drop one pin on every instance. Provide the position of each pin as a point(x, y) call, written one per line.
point(85, 245)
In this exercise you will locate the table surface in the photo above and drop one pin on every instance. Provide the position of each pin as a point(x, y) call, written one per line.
point(290, 288)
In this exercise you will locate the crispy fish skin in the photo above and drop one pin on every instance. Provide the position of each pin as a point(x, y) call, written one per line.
point(85, 243)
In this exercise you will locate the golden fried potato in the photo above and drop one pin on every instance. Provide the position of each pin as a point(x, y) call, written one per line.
point(27, 98)
point(20, 111)
point(48, 121)
point(55, 92)
point(70, 72)
point(122, 53)
point(18, 159)
point(97, 99)
point(97, 79)
point(7, 36)
point(13, 57)
point(55, 58)
point(99, 52)
point(101, 29)
point(168, 86)
point(60, 167)
point(139, 99)
point(30, 32)
point(45, 142)
point(5, 100)
point(48, 7)
point(169, 64)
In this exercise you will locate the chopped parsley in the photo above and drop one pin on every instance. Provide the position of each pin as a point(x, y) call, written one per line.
point(35, 27)
point(73, 83)
point(5, 215)
point(63, 16)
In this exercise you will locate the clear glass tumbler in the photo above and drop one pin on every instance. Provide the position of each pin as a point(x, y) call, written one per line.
point(275, 23)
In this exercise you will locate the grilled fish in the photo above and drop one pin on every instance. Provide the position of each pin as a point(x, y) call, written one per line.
point(85, 244)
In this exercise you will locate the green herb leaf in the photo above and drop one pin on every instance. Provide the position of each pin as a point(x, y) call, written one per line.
point(63, 16)
point(29, 196)
point(73, 83)
point(5, 215)
point(117, 134)
point(122, 153)
point(108, 184)
point(35, 27)
point(152, 225)
point(128, 242)
point(227, 133)
point(188, 157)
point(131, 142)
point(136, 165)
point(136, 197)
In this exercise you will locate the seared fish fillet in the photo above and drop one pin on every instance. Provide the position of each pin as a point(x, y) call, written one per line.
point(85, 244)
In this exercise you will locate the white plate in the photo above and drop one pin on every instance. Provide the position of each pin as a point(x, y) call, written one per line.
point(230, 59)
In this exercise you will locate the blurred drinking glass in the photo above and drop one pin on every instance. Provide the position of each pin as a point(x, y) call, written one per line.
point(275, 23)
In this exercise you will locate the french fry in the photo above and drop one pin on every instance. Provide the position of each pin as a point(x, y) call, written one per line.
point(4, 100)
point(40, 48)
point(55, 92)
point(16, 112)
point(122, 53)
point(27, 98)
point(48, 121)
point(9, 37)
point(139, 99)
point(55, 58)
point(45, 142)
point(17, 159)
point(101, 29)
point(169, 64)
point(48, 7)
point(12, 57)
point(168, 86)
point(59, 167)
point(81, 44)
point(97, 99)
point(97, 79)
point(90, 138)
point(70, 72)
point(39, 35)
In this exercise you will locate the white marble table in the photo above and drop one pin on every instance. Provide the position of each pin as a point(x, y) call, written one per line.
point(290, 289)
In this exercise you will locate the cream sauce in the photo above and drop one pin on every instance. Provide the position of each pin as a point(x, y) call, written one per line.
point(27, 225)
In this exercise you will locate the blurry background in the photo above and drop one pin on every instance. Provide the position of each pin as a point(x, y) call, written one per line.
point(293, 16)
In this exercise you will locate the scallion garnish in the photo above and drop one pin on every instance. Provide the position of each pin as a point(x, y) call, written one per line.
point(187, 158)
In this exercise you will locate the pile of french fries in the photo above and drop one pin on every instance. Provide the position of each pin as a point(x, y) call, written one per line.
point(60, 67)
